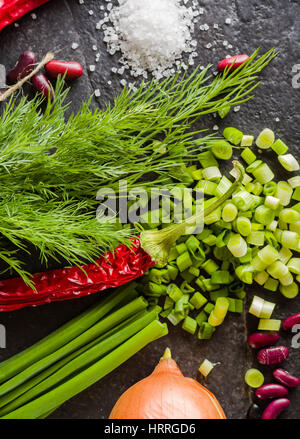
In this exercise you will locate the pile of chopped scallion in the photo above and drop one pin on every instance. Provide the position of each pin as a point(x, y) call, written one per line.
point(250, 238)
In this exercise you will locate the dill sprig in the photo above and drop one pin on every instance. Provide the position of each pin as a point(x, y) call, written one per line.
point(51, 169)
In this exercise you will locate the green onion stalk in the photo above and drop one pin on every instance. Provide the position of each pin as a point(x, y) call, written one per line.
point(158, 243)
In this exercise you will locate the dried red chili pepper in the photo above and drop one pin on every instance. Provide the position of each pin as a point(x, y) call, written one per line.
point(12, 10)
point(111, 270)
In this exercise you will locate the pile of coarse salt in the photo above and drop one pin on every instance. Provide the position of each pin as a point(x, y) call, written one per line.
point(151, 34)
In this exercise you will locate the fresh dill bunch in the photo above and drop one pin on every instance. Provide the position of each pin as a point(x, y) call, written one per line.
point(52, 168)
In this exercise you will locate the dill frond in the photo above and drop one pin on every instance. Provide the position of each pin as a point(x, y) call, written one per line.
point(51, 169)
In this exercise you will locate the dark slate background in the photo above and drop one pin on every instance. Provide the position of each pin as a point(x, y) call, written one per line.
point(272, 23)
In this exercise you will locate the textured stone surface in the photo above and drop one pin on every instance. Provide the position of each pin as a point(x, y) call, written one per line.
point(254, 23)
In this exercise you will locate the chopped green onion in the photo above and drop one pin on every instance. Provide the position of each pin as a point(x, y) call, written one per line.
point(289, 216)
point(277, 269)
point(258, 188)
point(258, 264)
point(270, 188)
point(256, 238)
point(229, 212)
point(286, 279)
point(184, 261)
point(189, 325)
point(264, 215)
point(237, 245)
point(206, 367)
point(263, 174)
point(272, 202)
point(198, 300)
point(268, 254)
point(210, 266)
point(284, 192)
point(294, 182)
point(247, 141)
point(173, 271)
point(233, 135)
point(201, 318)
point(185, 287)
point(243, 200)
point(181, 248)
point(243, 225)
point(214, 295)
point(295, 227)
point(267, 310)
point(169, 303)
point(206, 331)
point(261, 277)
point(175, 317)
point(253, 166)
point(207, 159)
point(156, 290)
point(279, 147)
point(174, 292)
point(212, 173)
point(294, 265)
point(289, 162)
point(223, 186)
point(207, 187)
point(285, 255)
point(272, 226)
point(209, 307)
point(221, 149)
point(254, 378)
point(220, 277)
point(290, 291)
point(265, 139)
point(256, 306)
point(245, 273)
point(271, 284)
point(290, 240)
point(219, 312)
point(269, 325)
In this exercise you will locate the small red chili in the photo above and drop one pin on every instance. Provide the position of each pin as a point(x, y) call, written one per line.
point(12, 10)
point(71, 69)
point(233, 62)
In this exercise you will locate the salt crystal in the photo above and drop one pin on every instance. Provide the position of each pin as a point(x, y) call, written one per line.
point(94, 47)
point(91, 12)
point(151, 35)
point(208, 45)
point(237, 109)
point(97, 93)
point(216, 26)
point(215, 127)
point(92, 68)
point(228, 20)
point(75, 46)
point(81, 2)
point(33, 16)
point(16, 25)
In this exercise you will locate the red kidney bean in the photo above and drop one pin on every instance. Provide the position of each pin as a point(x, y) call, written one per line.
point(233, 62)
point(274, 355)
point(273, 410)
point(42, 85)
point(71, 69)
point(260, 339)
point(269, 391)
point(254, 412)
point(291, 321)
point(286, 378)
point(24, 66)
